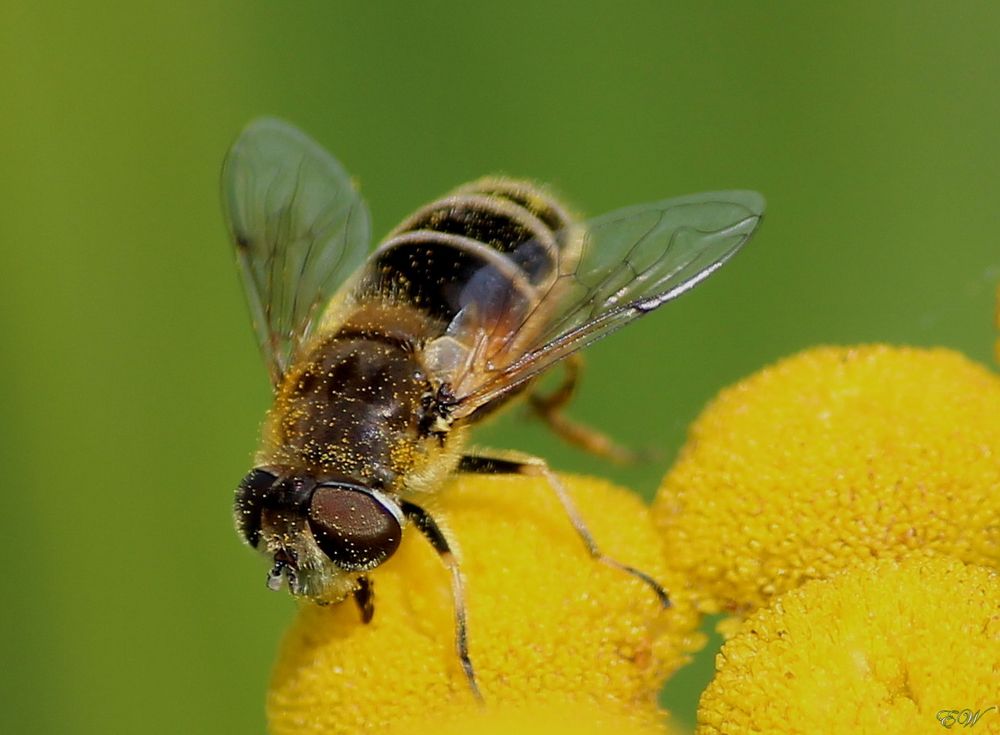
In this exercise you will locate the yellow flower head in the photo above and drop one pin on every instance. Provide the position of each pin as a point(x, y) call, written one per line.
point(829, 458)
point(547, 624)
point(580, 718)
point(888, 647)
point(996, 323)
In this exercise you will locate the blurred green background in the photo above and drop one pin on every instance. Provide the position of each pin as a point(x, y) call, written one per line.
point(132, 387)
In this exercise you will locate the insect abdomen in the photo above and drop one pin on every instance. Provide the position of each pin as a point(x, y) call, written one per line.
point(493, 244)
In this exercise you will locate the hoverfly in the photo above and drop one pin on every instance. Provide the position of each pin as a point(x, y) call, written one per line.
point(381, 362)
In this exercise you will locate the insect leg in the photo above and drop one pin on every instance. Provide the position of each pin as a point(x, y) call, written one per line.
point(549, 409)
point(364, 596)
point(537, 467)
point(432, 532)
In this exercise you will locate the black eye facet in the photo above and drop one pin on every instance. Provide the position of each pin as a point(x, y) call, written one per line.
point(250, 499)
point(354, 527)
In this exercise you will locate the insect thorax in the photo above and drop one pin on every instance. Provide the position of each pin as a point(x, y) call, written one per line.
point(352, 407)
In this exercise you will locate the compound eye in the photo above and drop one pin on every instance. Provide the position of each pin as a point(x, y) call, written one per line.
point(356, 529)
point(249, 501)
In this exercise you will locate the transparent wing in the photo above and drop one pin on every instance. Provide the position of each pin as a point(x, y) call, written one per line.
point(299, 227)
point(619, 266)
